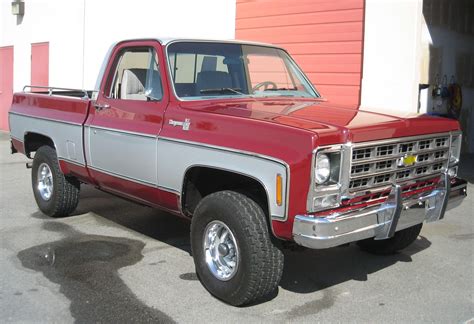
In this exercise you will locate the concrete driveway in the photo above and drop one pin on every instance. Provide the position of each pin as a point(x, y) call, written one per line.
point(115, 261)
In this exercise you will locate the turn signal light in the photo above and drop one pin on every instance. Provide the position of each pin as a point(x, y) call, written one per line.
point(279, 190)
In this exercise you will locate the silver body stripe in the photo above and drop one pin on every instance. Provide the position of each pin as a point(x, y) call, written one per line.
point(122, 153)
point(154, 161)
point(61, 133)
point(176, 157)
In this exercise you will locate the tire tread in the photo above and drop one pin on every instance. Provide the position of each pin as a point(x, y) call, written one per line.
point(66, 189)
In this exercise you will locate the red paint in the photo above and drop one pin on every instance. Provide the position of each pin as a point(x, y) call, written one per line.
point(6, 84)
point(140, 193)
point(69, 110)
point(283, 128)
point(130, 115)
point(18, 145)
point(75, 170)
point(40, 64)
point(324, 37)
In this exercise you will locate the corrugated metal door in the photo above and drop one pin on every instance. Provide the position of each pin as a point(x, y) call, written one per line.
point(324, 37)
point(6, 84)
point(40, 64)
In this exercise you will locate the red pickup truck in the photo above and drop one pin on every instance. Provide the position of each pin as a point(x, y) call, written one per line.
point(234, 137)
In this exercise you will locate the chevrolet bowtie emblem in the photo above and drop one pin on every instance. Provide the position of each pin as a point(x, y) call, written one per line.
point(406, 161)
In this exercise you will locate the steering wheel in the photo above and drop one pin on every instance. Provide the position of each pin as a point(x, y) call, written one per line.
point(266, 85)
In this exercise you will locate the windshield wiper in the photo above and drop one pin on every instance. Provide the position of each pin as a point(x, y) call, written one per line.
point(281, 89)
point(223, 90)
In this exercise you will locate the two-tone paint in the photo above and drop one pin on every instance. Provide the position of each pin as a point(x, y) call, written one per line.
point(131, 149)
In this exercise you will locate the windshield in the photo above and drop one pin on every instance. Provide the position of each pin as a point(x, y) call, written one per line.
point(202, 70)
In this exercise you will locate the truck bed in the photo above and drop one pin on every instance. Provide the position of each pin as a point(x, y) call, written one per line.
point(56, 113)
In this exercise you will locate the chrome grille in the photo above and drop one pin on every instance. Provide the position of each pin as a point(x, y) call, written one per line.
point(380, 164)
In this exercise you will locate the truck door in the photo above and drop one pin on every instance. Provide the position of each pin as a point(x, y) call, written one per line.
point(125, 120)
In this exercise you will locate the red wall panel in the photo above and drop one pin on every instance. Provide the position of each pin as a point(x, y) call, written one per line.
point(6, 84)
point(324, 37)
point(40, 64)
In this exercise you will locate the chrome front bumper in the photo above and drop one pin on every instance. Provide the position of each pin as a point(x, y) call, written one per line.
point(380, 221)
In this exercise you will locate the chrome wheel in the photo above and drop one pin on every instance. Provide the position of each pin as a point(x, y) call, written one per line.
point(45, 181)
point(221, 250)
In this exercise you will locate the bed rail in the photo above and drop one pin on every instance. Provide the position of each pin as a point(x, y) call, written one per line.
point(50, 91)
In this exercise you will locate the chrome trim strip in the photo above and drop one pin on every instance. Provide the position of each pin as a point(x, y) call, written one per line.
point(171, 190)
point(145, 183)
point(45, 118)
point(379, 221)
point(122, 131)
point(246, 153)
point(51, 89)
point(71, 161)
point(122, 176)
point(400, 139)
point(391, 170)
point(391, 157)
point(243, 174)
point(223, 148)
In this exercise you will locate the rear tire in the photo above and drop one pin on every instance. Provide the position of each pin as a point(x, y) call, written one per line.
point(252, 264)
point(398, 242)
point(56, 195)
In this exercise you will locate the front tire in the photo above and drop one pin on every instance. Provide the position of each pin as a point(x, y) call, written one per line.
point(56, 195)
point(234, 255)
point(399, 241)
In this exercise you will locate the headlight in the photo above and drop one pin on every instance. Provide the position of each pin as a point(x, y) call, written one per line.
point(322, 169)
point(325, 187)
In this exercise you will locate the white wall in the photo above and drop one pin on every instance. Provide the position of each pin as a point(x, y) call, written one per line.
point(54, 21)
point(391, 55)
point(81, 31)
point(451, 43)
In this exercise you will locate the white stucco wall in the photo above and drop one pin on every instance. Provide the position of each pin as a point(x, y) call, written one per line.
point(79, 32)
point(451, 44)
point(391, 55)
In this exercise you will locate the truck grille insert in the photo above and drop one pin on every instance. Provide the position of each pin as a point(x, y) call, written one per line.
point(376, 165)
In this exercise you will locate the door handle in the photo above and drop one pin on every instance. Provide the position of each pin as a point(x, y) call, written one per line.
point(100, 107)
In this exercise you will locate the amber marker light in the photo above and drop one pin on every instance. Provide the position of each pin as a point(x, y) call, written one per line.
point(279, 190)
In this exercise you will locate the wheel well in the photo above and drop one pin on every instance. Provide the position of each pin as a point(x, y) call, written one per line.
point(202, 181)
point(33, 141)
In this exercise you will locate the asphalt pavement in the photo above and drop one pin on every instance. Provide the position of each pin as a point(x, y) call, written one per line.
point(115, 261)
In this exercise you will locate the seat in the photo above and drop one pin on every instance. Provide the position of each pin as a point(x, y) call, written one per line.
point(212, 80)
point(133, 84)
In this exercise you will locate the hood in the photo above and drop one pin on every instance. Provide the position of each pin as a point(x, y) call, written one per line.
point(330, 123)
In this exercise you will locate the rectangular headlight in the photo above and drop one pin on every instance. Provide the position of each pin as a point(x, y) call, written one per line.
point(325, 189)
point(327, 168)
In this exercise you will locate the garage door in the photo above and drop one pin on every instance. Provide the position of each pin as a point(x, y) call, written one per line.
point(40, 64)
point(6, 84)
point(324, 37)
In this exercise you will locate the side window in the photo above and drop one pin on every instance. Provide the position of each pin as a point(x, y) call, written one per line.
point(136, 75)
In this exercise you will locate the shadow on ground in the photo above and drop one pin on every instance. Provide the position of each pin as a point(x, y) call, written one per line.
point(85, 266)
point(305, 271)
point(313, 270)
